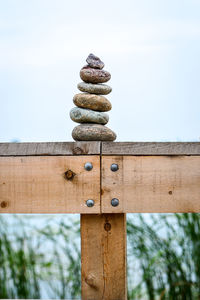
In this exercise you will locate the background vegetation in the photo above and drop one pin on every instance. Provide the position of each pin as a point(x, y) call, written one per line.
point(40, 256)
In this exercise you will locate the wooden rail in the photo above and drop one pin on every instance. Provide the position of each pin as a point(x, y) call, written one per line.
point(52, 178)
point(152, 177)
point(103, 148)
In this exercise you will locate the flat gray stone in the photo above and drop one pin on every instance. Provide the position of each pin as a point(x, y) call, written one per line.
point(92, 88)
point(93, 132)
point(94, 61)
point(92, 101)
point(82, 115)
point(92, 75)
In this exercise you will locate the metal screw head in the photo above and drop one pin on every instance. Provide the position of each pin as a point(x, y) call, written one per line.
point(90, 203)
point(114, 202)
point(114, 167)
point(88, 166)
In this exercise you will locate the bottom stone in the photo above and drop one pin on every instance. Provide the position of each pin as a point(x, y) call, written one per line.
point(93, 132)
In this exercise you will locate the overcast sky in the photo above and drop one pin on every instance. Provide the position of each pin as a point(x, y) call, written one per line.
point(151, 48)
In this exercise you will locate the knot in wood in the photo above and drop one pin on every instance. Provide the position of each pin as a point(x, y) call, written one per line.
point(4, 204)
point(91, 281)
point(69, 175)
point(107, 226)
point(77, 151)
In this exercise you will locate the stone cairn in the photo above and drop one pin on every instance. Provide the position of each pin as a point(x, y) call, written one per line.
point(91, 105)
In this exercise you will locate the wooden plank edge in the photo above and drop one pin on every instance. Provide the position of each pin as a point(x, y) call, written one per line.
point(150, 148)
point(50, 148)
point(97, 148)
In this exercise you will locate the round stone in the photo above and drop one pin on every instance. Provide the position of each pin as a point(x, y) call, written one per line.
point(94, 62)
point(98, 89)
point(93, 132)
point(82, 115)
point(92, 101)
point(92, 75)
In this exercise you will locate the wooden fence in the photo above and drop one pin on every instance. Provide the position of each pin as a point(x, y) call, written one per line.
point(116, 178)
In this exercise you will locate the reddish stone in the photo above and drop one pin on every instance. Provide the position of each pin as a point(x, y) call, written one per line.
point(94, 62)
point(92, 75)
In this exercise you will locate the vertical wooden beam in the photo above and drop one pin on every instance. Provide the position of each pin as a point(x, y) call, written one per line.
point(103, 257)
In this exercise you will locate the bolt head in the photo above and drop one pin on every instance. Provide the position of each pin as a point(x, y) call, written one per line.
point(90, 203)
point(114, 202)
point(114, 167)
point(88, 166)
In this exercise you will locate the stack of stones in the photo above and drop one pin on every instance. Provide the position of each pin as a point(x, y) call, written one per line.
point(91, 105)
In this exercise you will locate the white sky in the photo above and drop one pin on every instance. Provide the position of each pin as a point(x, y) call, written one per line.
point(151, 48)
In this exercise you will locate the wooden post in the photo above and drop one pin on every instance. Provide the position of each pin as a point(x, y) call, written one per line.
point(103, 257)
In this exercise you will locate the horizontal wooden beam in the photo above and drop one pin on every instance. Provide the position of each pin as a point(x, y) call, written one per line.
point(41, 184)
point(149, 148)
point(95, 148)
point(151, 184)
point(48, 149)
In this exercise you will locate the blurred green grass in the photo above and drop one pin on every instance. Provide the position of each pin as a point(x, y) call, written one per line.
point(40, 256)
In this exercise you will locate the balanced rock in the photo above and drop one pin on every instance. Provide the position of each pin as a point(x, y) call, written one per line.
point(91, 101)
point(93, 132)
point(94, 61)
point(91, 105)
point(81, 115)
point(98, 89)
point(92, 75)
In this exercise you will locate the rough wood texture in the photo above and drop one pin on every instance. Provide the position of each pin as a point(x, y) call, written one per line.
point(154, 184)
point(148, 148)
point(33, 149)
point(103, 257)
point(93, 148)
point(39, 185)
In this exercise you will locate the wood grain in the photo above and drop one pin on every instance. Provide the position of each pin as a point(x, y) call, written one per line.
point(38, 184)
point(94, 148)
point(103, 257)
point(153, 184)
point(57, 148)
point(149, 148)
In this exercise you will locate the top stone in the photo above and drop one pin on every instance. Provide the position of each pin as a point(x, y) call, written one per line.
point(94, 62)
